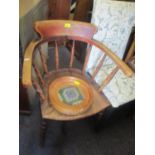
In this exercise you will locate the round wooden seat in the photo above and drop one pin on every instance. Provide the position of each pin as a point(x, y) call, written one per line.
point(70, 95)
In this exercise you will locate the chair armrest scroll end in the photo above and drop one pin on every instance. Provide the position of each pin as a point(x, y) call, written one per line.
point(128, 71)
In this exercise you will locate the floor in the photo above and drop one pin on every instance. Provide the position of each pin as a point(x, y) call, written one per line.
point(116, 138)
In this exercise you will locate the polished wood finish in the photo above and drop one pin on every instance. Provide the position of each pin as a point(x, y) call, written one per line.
point(27, 64)
point(71, 30)
point(125, 68)
point(43, 60)
point(55, 30)
point(56, 55)
point(37, 71)
point(65, 108)
point(72, 54)
point(59, 28)
point(99, 103)
point(98, 66)
point(87, 58)
point(108, 79)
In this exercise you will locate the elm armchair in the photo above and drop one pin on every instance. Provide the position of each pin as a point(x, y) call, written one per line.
point(67, 93)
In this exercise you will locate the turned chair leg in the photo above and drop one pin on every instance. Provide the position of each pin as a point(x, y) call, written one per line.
point(43, 129)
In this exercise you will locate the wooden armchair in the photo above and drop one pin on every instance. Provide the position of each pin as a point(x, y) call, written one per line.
point(67, 93)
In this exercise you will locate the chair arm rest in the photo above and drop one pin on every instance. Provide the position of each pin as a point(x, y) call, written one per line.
point(122, 65)
point(27, 64)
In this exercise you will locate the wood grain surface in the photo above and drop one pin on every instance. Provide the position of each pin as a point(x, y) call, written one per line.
point(54, 30)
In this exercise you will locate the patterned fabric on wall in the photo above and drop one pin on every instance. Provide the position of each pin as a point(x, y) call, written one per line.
point(114, 20)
